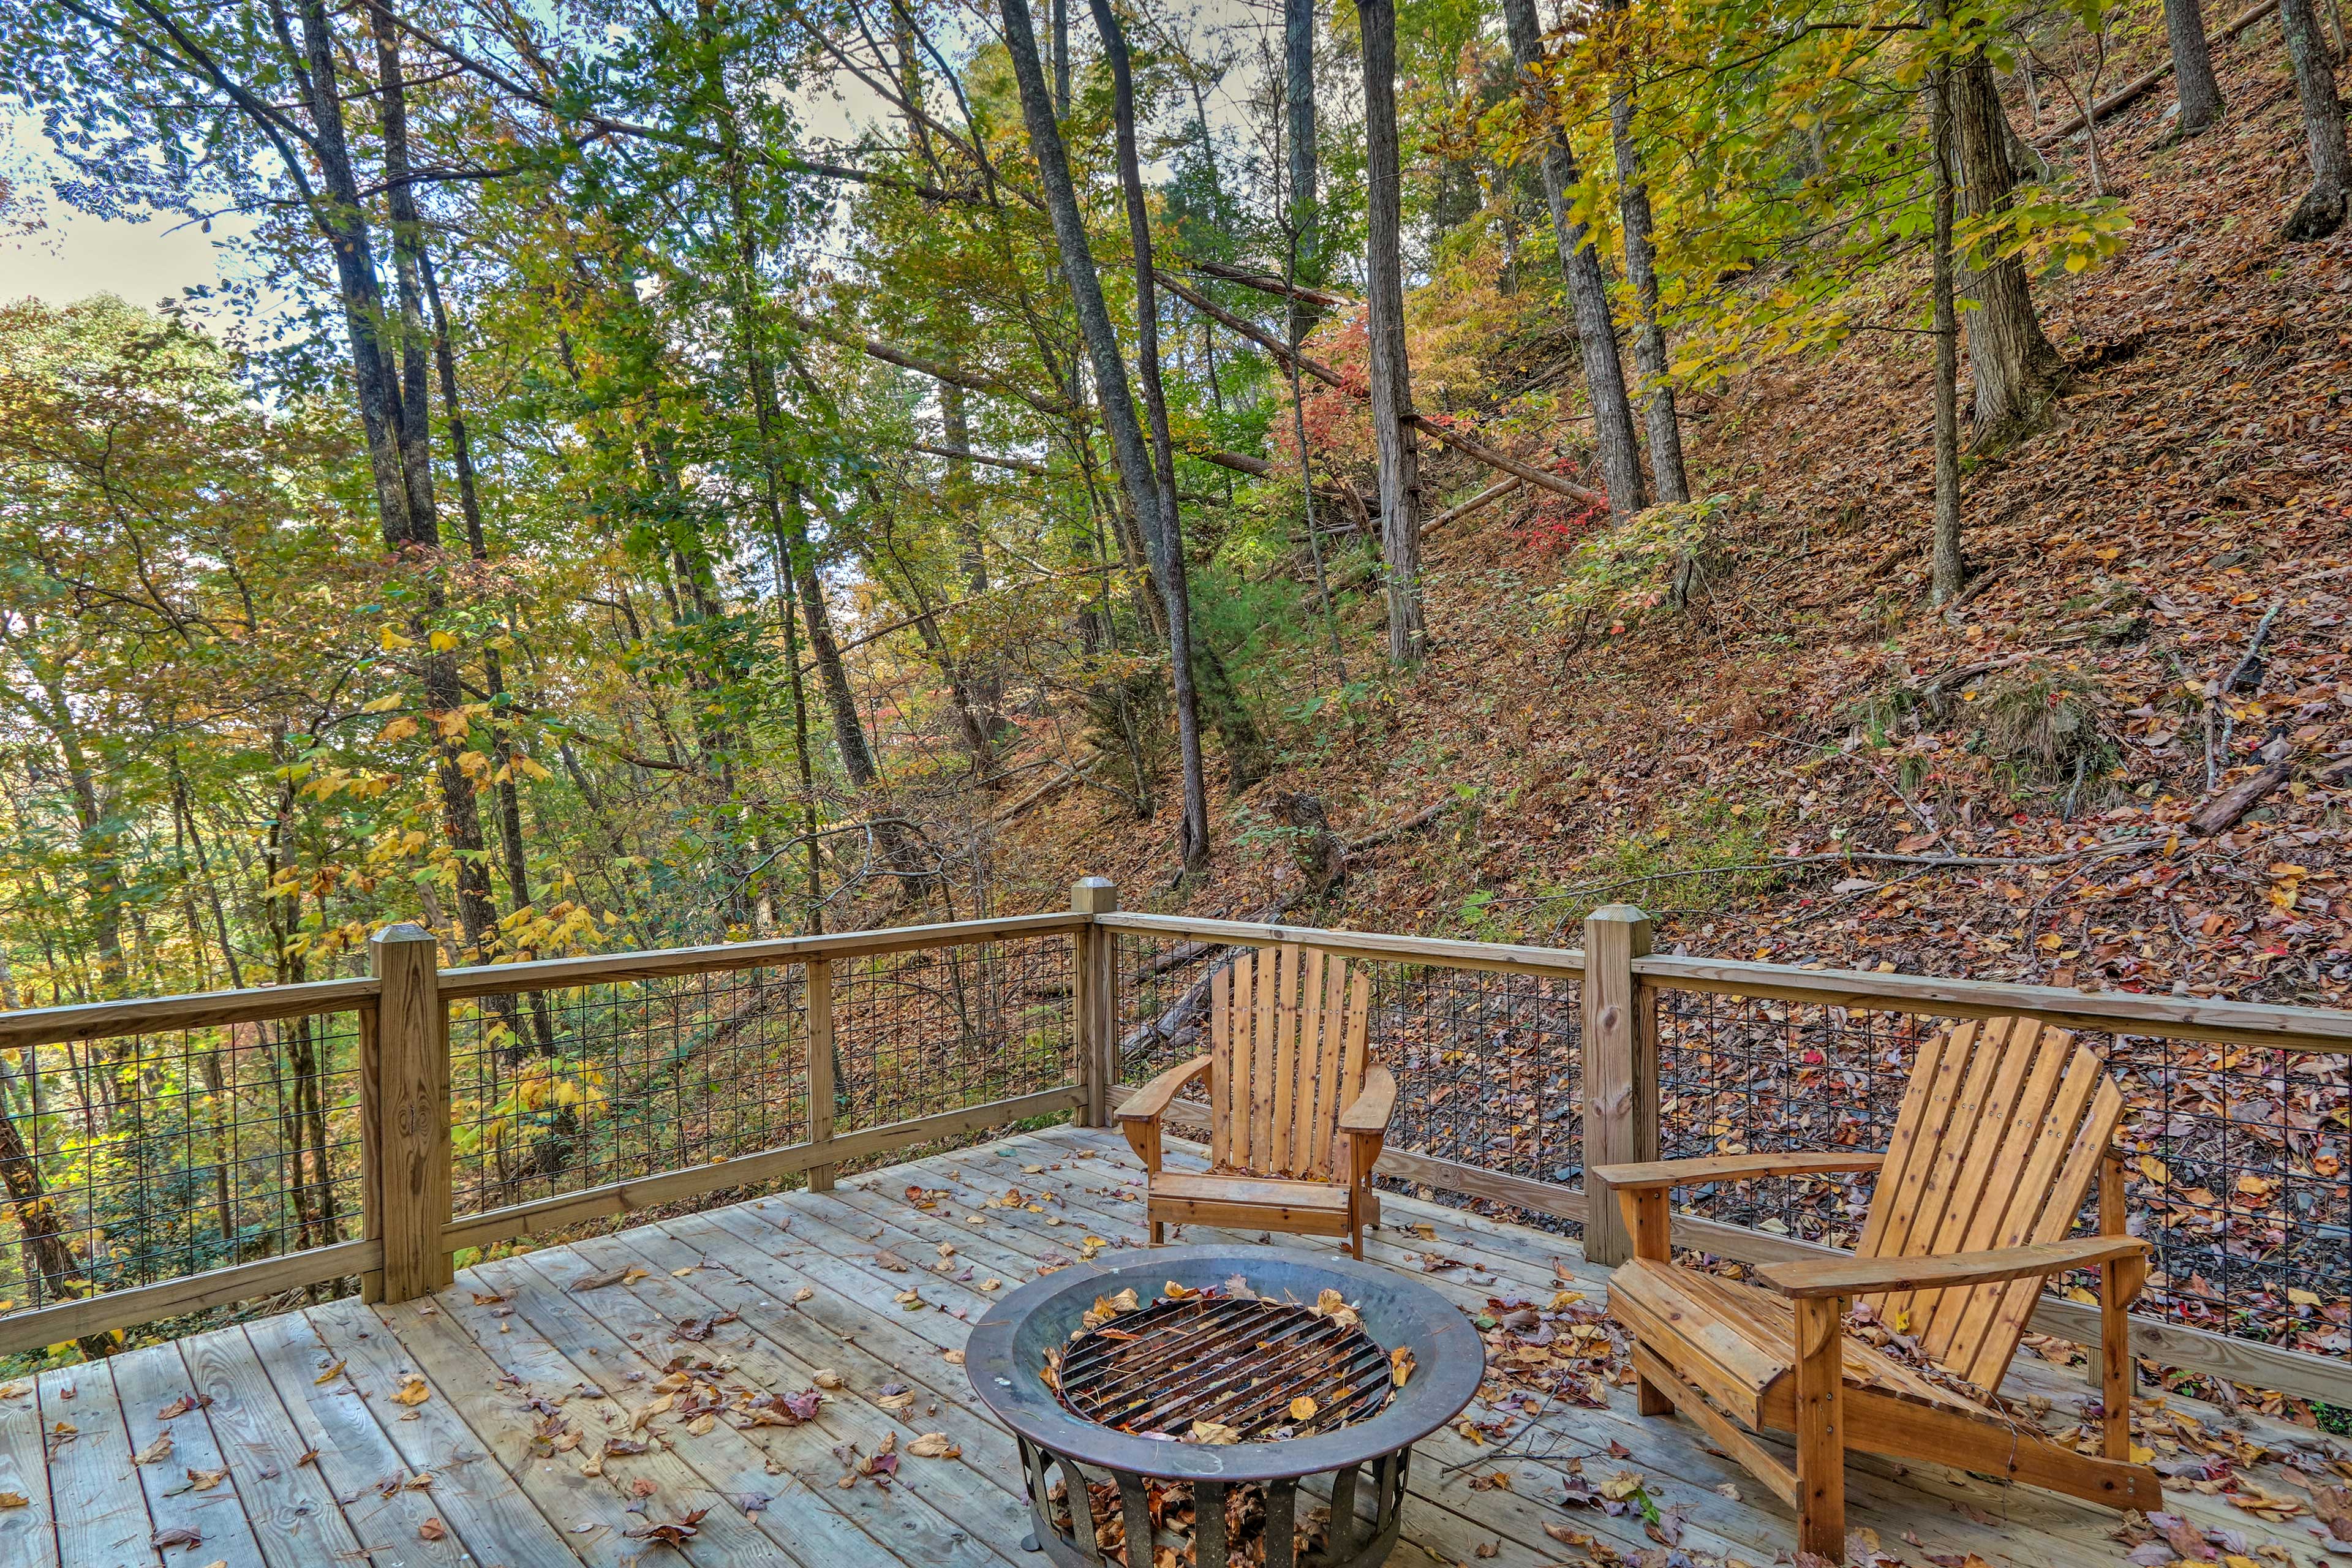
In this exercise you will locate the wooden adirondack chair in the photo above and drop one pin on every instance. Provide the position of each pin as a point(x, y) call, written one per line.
point(1297, 1107)
point(2003, 1129)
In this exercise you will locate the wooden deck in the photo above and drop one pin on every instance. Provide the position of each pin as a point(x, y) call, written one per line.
point(317, 1449)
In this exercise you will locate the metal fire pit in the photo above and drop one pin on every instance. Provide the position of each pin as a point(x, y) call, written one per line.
point(1234, 1361)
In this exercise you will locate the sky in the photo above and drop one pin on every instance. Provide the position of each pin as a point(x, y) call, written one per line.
point(73, 256)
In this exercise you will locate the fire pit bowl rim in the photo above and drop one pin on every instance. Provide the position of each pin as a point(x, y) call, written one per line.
point(1005, 1355)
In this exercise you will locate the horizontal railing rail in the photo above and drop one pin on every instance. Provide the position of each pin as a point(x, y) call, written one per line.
point(1582, 1025)
point(607, 968)
point(198, 1010)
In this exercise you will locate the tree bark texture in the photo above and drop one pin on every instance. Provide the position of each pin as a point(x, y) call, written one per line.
point(1305, 202)
point(2321, 211)
point(2192, 66)
point(1392, 370)
point(2018, 372)
point(1587, 290)
point(1136, 471)
point(1642, 271)
point(1950, 570)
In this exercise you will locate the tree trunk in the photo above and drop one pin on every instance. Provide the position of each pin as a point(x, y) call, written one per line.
point(509, 791)
point(1061, 57)
point(1392, 370)
point(1306, 205)
point(1135, 457)
point(1642, 270)
point(400, 444)
point(412, 409)
point(2321, 211)
point(1951, 569)
point(2192, 66)
point(983, 689)
point(1244, 751)
point(48, 1256)
point(1587, 290)
point(2018, 372)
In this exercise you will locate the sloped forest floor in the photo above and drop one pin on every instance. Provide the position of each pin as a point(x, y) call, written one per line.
point(2157, 615)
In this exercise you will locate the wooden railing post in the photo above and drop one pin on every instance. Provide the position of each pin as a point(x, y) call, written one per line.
point(1095, 998)
point(1621, 1070)
point(404, 1121)
point(823, 1083)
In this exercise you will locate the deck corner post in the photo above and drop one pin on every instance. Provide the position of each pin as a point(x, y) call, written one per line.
point(1095, 998)
point(1621, 1070)
point(405, 1128)
point(823, 1068)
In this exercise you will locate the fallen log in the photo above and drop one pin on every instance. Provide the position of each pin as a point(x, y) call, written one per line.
point(2132, 90)
point(1323, 373)
point(2222, 812)
point(1542, 477)
point(1484, 498)
point(1019, 464)
point(1274, 286)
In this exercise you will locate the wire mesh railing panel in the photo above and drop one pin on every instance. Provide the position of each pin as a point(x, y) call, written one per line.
point(559, 1091)
point(1488, 1065)
point(2234, 1157)
point(2235, 1168)
point(932, 1030)
point(1742, 1074)
point(136, 1159)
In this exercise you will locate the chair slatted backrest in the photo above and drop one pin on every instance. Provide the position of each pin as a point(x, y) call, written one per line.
point(1288, 1028)
point(1998, 1142)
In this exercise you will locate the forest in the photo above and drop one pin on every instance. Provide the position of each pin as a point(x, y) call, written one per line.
point(668, 475)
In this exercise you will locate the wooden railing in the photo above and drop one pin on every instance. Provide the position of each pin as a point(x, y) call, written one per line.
point(410, 1231)
point(405, 1147)
point(1622, 983)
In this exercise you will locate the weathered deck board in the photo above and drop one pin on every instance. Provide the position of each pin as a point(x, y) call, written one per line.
point(28, 1533)
point(317, 1448)
point(100, 1510)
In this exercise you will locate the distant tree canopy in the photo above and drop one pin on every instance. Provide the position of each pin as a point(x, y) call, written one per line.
point(610, 513)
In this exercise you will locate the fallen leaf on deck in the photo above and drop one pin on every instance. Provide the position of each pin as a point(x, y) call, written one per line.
point(412, 1392)
point(178, 1535)
point(827, 1378)
point(953, 1358)
point(14, 1500)
point(934, 1445)
point(182, 1405)
point(629, 1275)
point(155, 1452)
point(329, 1375)
point(804, 1294)
point(433, 1530)
point(206, 1480)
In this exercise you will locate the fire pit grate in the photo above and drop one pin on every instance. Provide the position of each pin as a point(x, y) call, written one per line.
point(1107, 1404)
point(1237, 1363)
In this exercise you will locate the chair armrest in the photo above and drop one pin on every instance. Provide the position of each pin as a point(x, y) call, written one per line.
point(1867, 1276)
point(1371, 1109)
point(1145, 1104)
point(1731, 1167)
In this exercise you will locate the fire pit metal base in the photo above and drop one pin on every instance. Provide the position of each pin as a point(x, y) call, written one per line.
point(1363, 1529)
point(1361, 1469)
